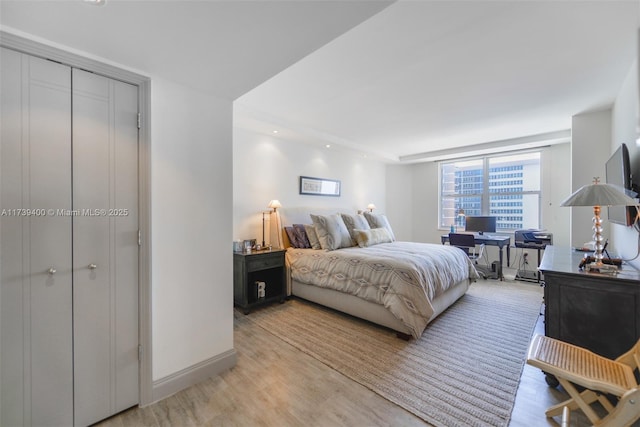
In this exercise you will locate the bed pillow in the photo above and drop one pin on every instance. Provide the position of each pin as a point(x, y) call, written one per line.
point(293, 237)
point(302, 235)
point(353, 222)
point(379, 221)
point(312, 236)
point(332, 233)
point(372, 236)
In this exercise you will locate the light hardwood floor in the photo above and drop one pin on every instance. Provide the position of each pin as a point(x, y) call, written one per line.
point(275, 384)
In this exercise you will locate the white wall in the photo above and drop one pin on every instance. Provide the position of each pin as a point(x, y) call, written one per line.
point(400, 195)
point(267, 167)
point(556, 186)
point(425, 203)
point(590, 149)
point(192, 291)
point(624, 241)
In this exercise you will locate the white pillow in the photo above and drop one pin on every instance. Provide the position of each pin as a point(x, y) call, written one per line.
point(356, 221)
point(331, 231)
point(379, 221)
point(372, 236)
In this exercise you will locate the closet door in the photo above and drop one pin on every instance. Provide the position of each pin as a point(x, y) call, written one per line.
point(105, 246)
point(36, 380)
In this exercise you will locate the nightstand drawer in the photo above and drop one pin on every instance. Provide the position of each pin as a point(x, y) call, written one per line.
point(263, 262)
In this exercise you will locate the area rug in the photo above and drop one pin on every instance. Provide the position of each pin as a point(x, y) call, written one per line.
point(464, 370)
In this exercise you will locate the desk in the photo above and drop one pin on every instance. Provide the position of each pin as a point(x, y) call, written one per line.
point(490, 240)
point(591, 310)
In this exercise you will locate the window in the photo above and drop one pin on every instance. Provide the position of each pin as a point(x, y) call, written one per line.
point(504, 186)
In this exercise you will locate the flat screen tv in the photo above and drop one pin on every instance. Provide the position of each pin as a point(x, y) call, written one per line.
point(481, 224)
point(618, 173)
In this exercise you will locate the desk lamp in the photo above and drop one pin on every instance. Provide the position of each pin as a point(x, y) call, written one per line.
point(598, 195)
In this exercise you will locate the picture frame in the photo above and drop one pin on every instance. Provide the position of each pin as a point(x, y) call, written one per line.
point(320, 186)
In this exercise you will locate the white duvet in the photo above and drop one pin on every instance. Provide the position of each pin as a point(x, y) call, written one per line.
point(403, 276)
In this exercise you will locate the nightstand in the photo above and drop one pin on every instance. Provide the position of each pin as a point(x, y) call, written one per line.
point(252, 269)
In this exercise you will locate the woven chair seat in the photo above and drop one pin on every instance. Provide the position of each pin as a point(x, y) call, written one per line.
point(580, 366)
point(573, 365)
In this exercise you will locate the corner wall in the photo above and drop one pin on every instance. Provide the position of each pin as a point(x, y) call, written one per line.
point(192, 291)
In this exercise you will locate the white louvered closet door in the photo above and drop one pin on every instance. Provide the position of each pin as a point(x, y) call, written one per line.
point(36, 369)
point(68, 244)
point(105, 246)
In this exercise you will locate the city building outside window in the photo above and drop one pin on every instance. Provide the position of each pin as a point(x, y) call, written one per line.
point(504, 186)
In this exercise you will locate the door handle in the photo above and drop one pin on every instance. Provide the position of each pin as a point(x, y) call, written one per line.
point(51, 271)
point(93, 266)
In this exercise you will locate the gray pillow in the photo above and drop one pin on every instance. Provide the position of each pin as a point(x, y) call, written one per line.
point(293, 237)
point(353, 222)
point(313, 236)
point(379, 221)
point(302, 235)
point(373, 236)
point(331, 231)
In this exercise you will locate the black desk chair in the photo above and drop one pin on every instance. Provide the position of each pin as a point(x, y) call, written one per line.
point(467, 243)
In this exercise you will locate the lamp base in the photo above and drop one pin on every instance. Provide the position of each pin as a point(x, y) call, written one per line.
point(602, 268)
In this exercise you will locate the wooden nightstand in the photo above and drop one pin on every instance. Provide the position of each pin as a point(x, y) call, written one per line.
point(251, 268)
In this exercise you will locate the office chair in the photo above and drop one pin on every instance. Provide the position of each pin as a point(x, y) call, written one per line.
point(467, 243)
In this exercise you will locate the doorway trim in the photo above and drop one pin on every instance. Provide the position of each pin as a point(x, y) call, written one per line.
point(45, 51)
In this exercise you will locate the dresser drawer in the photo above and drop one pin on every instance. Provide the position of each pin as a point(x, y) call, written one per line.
point(264, 262)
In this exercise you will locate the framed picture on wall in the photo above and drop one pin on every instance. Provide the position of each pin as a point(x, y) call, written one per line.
point(319, 186)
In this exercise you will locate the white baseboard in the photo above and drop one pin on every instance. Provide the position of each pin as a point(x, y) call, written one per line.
point(187, 377)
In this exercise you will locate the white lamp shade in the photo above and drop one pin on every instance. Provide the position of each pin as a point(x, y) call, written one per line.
point(274, 204)
point(598, 195)
point(371, 206)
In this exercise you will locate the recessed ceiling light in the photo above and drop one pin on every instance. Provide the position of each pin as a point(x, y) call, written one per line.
point(96, 2)
point(328, 146)
point(275, 131)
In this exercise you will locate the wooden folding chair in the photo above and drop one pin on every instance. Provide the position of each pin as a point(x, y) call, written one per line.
point(573, 365)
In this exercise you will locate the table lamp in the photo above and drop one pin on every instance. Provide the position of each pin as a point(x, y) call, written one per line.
point(598, 195)
point(273, 204)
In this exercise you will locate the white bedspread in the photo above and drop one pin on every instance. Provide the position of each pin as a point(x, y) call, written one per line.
point(403, 276)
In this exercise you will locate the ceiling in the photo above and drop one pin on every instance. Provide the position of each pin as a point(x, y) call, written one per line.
point(398, 80)
point(223, 47)
point(423, 77)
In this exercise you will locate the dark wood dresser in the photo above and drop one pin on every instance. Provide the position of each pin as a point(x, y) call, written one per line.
point(597, 311)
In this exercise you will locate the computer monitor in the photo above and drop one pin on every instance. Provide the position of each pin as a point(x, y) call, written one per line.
point(481, 224)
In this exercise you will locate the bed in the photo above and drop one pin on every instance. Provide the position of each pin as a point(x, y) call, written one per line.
point(399, 285)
